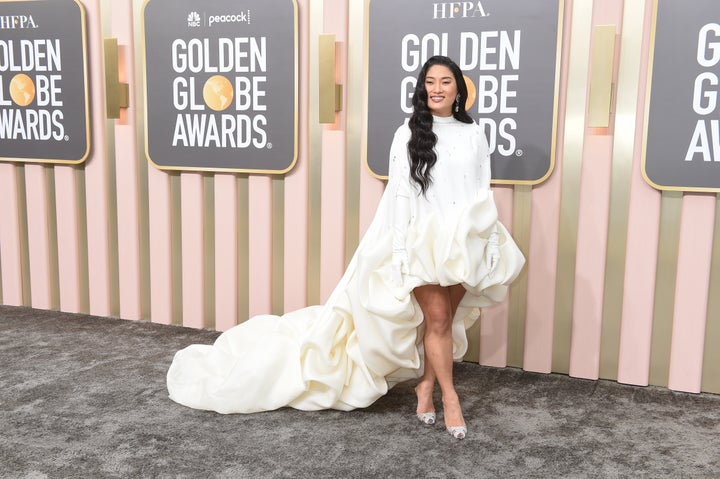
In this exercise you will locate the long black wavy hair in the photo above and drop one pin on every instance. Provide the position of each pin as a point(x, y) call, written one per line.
point(421, 147)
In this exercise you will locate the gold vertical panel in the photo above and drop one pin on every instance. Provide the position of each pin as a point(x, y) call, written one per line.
point(111, 180)
point(53, 267)
point(176, 248)
point(522, 211)
point(601, 80)
point(143, 180)
point(665, 287)
point(278, 246)
point(243, 252)
point(84, 274)
point(711, 353)
point(22, 216)
point(623, 149)
point(144, 231)
point(23, 234)
point(315, 158)
point(112, 228)
point(112, 235)
point(143, 186)
point(209, 249)
point(571, 169)
point(355, 102)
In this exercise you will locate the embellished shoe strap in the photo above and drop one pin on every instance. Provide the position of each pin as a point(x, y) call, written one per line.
point(458, 432)
point(426, 417)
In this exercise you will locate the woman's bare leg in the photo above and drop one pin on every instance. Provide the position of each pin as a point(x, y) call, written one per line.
point(426, 385)
point(439, 304)
point(424, 390)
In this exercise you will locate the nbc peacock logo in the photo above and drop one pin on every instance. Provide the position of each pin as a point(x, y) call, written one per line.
point(193, 19)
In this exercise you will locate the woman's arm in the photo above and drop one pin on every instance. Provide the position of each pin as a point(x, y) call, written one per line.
point(492, 255)
point(400, 189)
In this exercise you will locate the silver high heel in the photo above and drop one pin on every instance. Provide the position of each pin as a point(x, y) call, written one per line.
point(458, 432)
point(426, 418)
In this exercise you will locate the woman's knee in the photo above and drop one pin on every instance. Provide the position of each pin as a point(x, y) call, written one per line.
point(437, 319)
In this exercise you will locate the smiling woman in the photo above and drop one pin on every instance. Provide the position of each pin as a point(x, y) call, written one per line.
point(442, 90)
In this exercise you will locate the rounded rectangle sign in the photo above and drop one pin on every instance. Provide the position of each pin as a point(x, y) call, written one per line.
point(682, 139)
point(221, 84)
point(509, 53)
point(44, 108)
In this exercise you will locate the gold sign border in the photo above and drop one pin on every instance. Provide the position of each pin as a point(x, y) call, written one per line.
point(553, 145)
point(223, 170)
point(83, 21)
point(648, 98)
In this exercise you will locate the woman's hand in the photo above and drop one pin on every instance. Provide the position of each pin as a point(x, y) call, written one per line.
point(492, 253)
point(399, 266)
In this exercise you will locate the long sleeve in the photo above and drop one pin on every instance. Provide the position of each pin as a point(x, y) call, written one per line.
point(399, 173)
point(484, 172)
point(492, 253)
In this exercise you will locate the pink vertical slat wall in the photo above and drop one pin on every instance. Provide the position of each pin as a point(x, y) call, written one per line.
point(691, 292)
point(295, 241)
point(641, 256)
point(260, 256)
point(10, 237)
point(68, 239)
point(97, 196)
point(494, 321)
point(193, 241)
point(226, 252)
point(126, 171)
point(37, 200)
point(543, 249)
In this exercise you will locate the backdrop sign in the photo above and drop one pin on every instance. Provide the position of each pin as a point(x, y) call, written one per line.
point(221, 84)
point(44, 112)
point(682, 147)
point(508, 51)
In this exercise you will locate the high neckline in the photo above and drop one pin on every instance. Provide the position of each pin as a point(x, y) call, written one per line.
point(443, 119)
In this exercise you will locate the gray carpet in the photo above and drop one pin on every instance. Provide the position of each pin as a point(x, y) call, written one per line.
point(85, 397)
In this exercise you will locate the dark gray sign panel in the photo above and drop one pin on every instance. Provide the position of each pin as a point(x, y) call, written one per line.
point(221, 84)
point(682, 143)
point(509, 53)
point(44, 110)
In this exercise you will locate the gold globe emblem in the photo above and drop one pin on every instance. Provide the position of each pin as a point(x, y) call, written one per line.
point(218, 92)
point(472, 92)
point(22, 89)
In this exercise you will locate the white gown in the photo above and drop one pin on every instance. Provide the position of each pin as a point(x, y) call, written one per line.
point(368, 336)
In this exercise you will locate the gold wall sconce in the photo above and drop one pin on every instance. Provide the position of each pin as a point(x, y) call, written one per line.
point(117, 94)
point(330, 101)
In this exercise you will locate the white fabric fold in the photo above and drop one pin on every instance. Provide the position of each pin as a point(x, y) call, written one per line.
point(347, 353)
point(368, 336)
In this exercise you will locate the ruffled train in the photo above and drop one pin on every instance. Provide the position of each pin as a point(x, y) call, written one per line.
point(366, 338)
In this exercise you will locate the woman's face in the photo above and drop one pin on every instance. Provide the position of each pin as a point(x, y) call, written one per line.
point(441, 90)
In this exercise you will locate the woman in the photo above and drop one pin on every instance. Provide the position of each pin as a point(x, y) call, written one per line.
point(433, 255)
point(450, 147)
